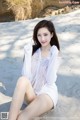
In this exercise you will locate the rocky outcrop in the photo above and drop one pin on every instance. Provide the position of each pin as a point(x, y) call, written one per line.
point(24, 9)
point(6, 14)
point(38, 5)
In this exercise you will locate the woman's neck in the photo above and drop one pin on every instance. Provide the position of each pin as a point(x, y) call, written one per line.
point(45, 51)
point(46, 48)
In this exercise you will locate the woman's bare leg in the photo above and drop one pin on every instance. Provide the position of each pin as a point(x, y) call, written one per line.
point(23, 87)
point(38, 106)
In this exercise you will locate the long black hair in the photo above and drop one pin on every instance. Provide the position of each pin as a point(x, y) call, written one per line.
point(49, 25)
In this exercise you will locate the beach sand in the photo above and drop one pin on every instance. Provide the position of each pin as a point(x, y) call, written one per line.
point(13, 37)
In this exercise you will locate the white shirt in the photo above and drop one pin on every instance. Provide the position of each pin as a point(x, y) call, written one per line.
point(42, 73)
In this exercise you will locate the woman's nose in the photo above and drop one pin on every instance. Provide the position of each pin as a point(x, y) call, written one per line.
point(42, 38)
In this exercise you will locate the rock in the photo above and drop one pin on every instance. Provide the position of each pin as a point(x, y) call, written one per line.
point(3, 7)
point(23, 9)
point(11, 10)
point(6, 14)
point(67, 9)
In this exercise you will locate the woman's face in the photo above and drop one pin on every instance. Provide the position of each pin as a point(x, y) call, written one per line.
point(44, 36)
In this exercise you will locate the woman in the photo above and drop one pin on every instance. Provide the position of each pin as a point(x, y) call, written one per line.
point(37, 83)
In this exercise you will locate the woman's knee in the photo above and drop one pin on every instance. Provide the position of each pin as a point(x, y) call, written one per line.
point(23, 81)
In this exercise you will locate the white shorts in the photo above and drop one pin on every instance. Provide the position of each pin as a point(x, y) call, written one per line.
point(51, 91)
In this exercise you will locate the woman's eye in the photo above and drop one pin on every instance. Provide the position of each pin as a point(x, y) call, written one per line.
point(45, 34)
point(41, 35)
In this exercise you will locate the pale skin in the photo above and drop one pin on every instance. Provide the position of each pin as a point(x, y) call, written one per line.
point(37, 105)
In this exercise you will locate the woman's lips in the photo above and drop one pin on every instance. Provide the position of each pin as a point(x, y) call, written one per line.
point(43, 42)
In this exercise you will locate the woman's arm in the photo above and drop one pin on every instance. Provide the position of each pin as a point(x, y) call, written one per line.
point(26, 70)
point(54, 64)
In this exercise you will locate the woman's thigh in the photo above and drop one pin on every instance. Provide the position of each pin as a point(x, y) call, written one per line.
point(29, 94)
point(22, 83)
point(38, 106)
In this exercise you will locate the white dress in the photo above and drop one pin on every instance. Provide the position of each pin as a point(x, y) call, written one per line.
point(42, 72)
